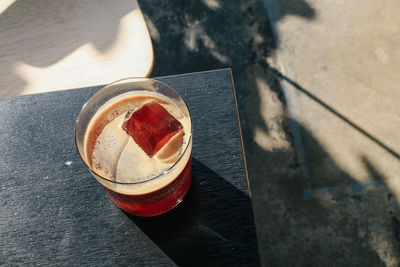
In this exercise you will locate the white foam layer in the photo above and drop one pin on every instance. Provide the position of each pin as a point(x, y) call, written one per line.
point(117, 157)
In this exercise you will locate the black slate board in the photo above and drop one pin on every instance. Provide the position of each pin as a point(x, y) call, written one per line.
point(53, 212)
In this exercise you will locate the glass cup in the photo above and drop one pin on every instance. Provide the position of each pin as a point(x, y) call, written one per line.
point(154, 195)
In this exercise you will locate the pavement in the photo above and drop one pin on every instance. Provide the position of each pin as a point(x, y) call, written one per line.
point(317, 92)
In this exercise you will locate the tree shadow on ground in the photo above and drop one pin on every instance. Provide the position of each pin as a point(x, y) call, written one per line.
point(307, 212)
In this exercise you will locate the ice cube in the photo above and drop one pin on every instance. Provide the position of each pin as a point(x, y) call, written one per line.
point(151, 126)
point(130, 163)
point(108, 148)
point(134, 165)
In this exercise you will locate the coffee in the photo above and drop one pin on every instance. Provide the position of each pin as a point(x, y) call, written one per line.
point(146, 172)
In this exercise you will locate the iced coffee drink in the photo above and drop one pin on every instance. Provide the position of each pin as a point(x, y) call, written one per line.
point(135, 136)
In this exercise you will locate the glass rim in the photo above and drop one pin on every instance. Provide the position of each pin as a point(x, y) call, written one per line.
point(158, 175)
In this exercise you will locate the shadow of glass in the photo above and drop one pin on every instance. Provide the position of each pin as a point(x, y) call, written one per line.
point(213, 224)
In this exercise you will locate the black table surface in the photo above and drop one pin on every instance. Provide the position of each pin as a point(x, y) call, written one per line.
point(53, 212)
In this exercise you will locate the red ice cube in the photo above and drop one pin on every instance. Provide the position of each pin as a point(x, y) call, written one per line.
point(151, 126)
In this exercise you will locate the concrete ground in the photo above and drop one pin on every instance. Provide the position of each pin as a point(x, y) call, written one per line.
point(317, 91)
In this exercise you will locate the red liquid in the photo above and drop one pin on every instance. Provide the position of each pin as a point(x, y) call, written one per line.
point(156, 202)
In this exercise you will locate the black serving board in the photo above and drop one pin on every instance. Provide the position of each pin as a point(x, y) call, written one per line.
point(53, 212)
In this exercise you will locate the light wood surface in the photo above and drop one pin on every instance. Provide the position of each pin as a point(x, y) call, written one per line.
point(54, 45)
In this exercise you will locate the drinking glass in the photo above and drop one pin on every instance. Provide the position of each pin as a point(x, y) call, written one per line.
point(154, 195)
